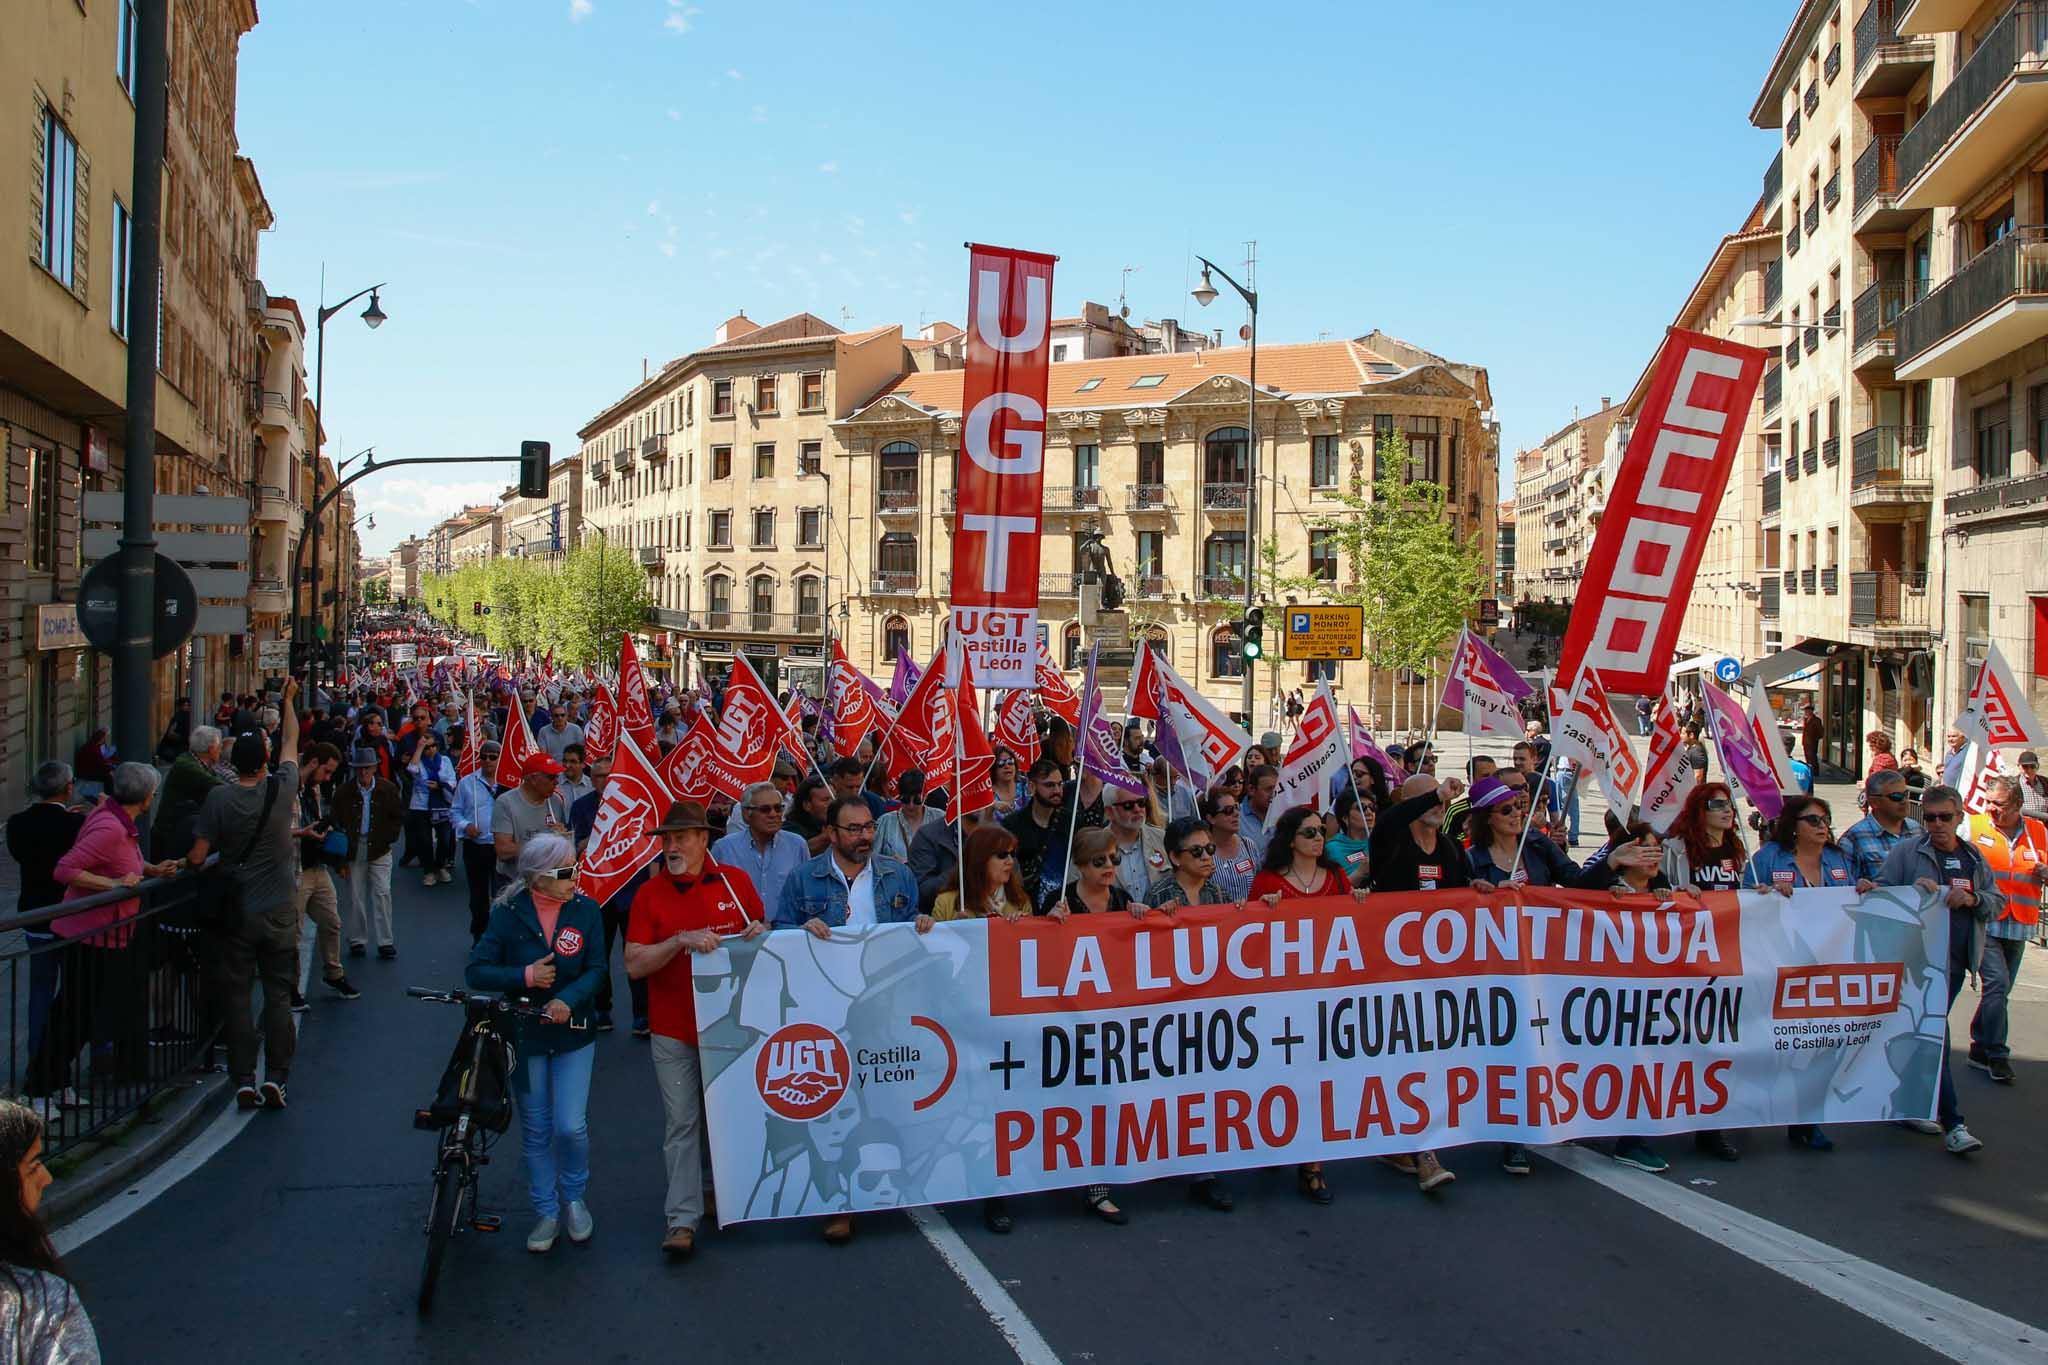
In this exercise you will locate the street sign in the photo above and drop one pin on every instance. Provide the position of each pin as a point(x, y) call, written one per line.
point(1489, 611)
point(1727, 670)
point(405, 654)
point(274, 656)
point(99, 605)
point(1323, 633)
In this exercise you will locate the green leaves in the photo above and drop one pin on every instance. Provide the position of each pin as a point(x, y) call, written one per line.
point(577, 607)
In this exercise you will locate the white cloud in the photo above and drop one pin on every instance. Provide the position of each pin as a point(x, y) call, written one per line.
point(828, 168)
point(675, 116)
point(679, 16)
point(579, 10)
point(760, 113)
point(734, 73)
point(654, 208)
point(411, 506)
point(909, 217)
point(666, 248)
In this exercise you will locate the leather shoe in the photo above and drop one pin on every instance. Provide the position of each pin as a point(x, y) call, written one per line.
point(839, 1231)
point(680, 1242)
point(1211, 1193)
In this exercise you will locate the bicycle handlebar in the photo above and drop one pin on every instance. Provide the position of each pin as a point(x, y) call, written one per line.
point(489, 1000)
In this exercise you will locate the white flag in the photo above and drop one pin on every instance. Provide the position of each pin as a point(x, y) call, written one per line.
point(1980, 765)
point(1314, 757)
point(1763, 723)
point(1587, 732)
point(1670, 773)
point(1489, 711)
point(1997, 715)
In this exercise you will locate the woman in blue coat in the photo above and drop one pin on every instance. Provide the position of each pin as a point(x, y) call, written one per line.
point(544, 946)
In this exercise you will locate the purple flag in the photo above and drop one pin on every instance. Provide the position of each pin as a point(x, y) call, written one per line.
point(1740, 754)
point(1474, 655)
point(1165, 733)
point(906, 676)
point(1362, 746)
point(1100, 752)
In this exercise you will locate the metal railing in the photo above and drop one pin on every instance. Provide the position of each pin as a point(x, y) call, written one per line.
point(1875, 176)
point(1831, 451)
point(2015, 265)
point(1773, 494)
point(1830, 580)
point(1888, 598)
point(1058, 584)
point(1792, 239)
point(1792, 464)
point(1812, 101)
point(650, 556)
point(1774, 178)
point(895, 500)
point(1792, 128)
point(1074, 498)
point(758, 622)
point(1792, 353)
point(1812, 219)
point(1774, 388)
point(1831, 65)
point(1151, 586)
point(99, 1024)
point(1874, 316)
point(1809, 461)
point(1791, 577)
point(1223, 497)
point(1772, 598)
point(622, 460)
point(1774, 284)
point(1831, 320)
point(1810, 335)
point(1222, 585)
point(1831, 192)
point(1809, 579)
point(1888, 455)
point(1147, 497)
point(2017, 42)
point(893, 584)
point(1996, 495)
point(1877, 28)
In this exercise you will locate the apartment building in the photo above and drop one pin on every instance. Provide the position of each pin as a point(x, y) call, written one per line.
point(405, 569)
point(714, 472)
point(1966, 197)
point(285, 424)
point(1504, 560)
point(1557, 484)
point(477, 536)
point(544, 529)
point(63, 336)
point(1154, 450)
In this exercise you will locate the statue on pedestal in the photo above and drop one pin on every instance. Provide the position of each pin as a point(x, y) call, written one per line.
point(1091, 556)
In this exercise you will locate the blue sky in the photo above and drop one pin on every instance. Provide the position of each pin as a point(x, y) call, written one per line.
point(556, 190)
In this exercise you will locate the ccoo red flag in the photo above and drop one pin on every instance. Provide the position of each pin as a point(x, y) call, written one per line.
point(517, 746)
point(635, 716)
point(622, 839)
point(601, 735)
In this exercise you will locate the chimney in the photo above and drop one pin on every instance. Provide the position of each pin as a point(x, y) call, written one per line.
point(733, 328)
point(1605, 401)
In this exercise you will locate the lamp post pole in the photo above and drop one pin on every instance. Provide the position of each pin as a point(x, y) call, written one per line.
point(374, 316)
point(1204, 294)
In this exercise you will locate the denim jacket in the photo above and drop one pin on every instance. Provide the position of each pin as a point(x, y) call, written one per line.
point(814, 891)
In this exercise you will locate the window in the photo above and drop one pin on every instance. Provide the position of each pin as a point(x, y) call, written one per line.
point(1320, 670)
point(1087, 385)
point(1148, 381)
point(764, 461)
point(1151, 554)
point(42, 509)
point(810, 604)
point(1993, 453)
point(124, 49)
point(1156, 641)
point(124, 235)
point(1223, 562)
point(1835, 418)
point(761, 600)
point(1382, 437)
point(895, 638)
point(718, 598)
point(62, 186)
point(809, 528)
point(1323, 456)
point(689, 407)
point(764, 528)
point(1059, 352)
point(687, 516)
point(1224, 455)
point(1424, 456)
point(810, 457)
point(1087, 465)
point(897, 554)
point(898, 487)
point(811, 391)
point(721, 398)
point(721, 462)
point(1322, 554)
point(1976, 631)
point(721, 530)
point(764, 393)
point(1226, 657)
point(1152, 462)
point(1070, 645)
point(2037, 401)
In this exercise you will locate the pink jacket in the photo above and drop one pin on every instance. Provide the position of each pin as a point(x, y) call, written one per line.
point(109, 846)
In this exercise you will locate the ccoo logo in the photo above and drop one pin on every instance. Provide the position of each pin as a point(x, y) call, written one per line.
point(802, 1070)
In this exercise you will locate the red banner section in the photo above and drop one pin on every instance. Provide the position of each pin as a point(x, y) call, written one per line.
point(1640, 571)
point(1001, 471)
point(621, 835)
point(1112, 962)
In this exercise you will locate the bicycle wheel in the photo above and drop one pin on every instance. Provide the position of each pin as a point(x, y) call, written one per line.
point(443, 1217)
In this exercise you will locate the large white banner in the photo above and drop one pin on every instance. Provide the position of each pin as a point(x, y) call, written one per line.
point(885, 1067)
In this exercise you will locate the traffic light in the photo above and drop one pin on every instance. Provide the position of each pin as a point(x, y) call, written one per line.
point(476, 609)
point(1254, 634)
point(533, 469)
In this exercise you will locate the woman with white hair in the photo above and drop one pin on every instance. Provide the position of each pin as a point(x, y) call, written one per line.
point(543, 946)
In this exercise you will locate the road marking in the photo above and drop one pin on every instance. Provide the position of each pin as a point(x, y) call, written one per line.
point(1952, 1326)
point(134, 1198)
point(1002, 1310)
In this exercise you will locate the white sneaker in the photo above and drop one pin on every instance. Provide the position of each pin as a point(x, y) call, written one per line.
point(579, 1221)
point(1960, 1141)
point(1927, 1126)
point(542, 1238)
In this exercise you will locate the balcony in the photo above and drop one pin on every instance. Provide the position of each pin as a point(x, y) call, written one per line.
point(1774, 389)
point(1225, 498)
point(1791, 577)
point(1886, 62)
point(1812, 101)
point(896, 502)
point(1888, 600)
point(1812, 219)
point(622, 460)
point(1792, 466)
point(1830, 581)
point(1831, 65)
point(267, 594)
point(650, 557)
point(1792, 130)
point(1774, 188)
point(1873, 336)
point(1792, 351)
point(1774, 493)
point(272, 503)
point(1225, 585)
point(1997, 496)
point(277, 408)
point(1792, 239)
point(1772, 597)
point(600, 469)
point(1149, 587)
point(1874, 188)
point(1809, 581)
point(1058, 584)
point(1930, 17)
point(1984, 117)
point(655, 447)
point(1990, 307)
point(1774, 284)
point(1810, 336)
point(257, 297)
point(1889, 467)
point(892, 584)
point(1078, 498)
point(725, 621)
point(1831, 451)
point(1147, 497)
point(1809, 462)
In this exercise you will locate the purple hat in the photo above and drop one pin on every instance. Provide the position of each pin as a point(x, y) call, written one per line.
point(1491, 791)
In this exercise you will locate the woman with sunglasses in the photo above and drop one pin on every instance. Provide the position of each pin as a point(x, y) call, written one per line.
point(1498, 854)
point(1010, 794)
point(1235, 863)
point(1800, 853)
point(1349, 842)
point(1704, 851)
point(1191, 851)
point(544, 946)
point(895, 829)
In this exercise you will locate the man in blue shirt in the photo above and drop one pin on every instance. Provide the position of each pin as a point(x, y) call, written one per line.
point(1871, 840)
point(847, 885)
point(761, 847)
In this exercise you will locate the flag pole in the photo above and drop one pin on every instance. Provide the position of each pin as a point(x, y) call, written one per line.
point(1529, 820)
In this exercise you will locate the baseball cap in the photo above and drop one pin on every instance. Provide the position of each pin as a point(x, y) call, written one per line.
point(537, 765)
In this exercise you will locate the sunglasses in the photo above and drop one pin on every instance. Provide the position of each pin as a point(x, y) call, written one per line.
point(765, 810)
point(1224, 810)
point(1100, 862)
point(1010, 854)
point(561, 873)
point(1946, 817)
point(1891, 796)
point(1719, 803)
point(1127, 805)
point(1200, 850)
point(1308, 834)
point(1817, 821)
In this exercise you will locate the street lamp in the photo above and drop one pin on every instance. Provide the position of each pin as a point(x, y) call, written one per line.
point(373, 317)
point(1825, 329)
point(1205, 294)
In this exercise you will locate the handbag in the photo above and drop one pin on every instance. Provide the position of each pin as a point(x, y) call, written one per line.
point(334, 844)
point(219, 903)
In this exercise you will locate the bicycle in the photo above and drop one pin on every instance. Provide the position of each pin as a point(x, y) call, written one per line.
point(465, 1141)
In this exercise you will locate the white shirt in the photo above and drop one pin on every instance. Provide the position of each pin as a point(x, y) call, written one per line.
point(860, 894)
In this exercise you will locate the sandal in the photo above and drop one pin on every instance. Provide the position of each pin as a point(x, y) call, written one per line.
point(1312, 1186)
point(839, 1231)
point(995, 1216)
point(1099, 1202)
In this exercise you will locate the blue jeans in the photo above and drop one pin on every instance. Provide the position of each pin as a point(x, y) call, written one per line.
point(554, 1130)
point(1568, 799)
point(1961, 931)
point(1995, 972)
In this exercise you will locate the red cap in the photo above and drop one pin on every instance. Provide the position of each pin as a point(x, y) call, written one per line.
point(537, 764)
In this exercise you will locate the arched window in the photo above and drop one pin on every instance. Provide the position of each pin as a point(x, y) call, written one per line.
point(717, 601)
point(1159, 643)
point(1224, 455)
point(895, 638)
point(761, 602)
point(896, 484)
point(810, 605)
point(1070, 645)
point(1225, 658)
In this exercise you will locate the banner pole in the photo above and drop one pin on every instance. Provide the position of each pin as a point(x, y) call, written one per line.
point(1530, 820)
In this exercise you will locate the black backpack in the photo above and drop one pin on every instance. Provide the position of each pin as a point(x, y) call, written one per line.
point(487, 1055)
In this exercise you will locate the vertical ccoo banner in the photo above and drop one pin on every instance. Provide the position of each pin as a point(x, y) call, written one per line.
point(1001, 473)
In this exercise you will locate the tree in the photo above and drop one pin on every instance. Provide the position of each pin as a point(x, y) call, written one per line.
point(376, 592)
point(600, 593)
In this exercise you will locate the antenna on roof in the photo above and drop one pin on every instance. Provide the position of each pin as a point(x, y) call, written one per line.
point(1123, 307)
point(845, 313)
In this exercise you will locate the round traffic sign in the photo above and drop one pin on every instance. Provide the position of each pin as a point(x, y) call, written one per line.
point(99, 605)
point(1727, 670)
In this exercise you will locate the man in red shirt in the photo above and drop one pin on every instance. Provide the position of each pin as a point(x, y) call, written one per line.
point(684, 908)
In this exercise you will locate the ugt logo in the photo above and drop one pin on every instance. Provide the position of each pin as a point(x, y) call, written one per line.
point(802, 1070)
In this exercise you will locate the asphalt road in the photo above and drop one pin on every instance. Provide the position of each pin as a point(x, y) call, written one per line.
point(301, 1240)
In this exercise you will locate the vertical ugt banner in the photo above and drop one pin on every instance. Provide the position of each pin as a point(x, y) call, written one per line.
point(1640, 573)
point(1001, 472)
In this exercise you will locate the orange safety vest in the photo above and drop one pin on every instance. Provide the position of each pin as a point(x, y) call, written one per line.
point(2012, 863)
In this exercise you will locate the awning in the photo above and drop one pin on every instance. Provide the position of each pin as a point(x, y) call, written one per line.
point(1698, 663)
point(1776, 669)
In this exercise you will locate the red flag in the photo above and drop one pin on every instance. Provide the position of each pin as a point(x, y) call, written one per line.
point(622, 840)
point(739, 751)
point(683, 768)
point(970, 786)
point(793, 737)
point(911, 741)
point(1056, 692)
point(471, 759)
point(1669, 777)
point(851, 705)
point(601, 735)
point(634, 714)
point(517, 746)
point(1017, 728)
